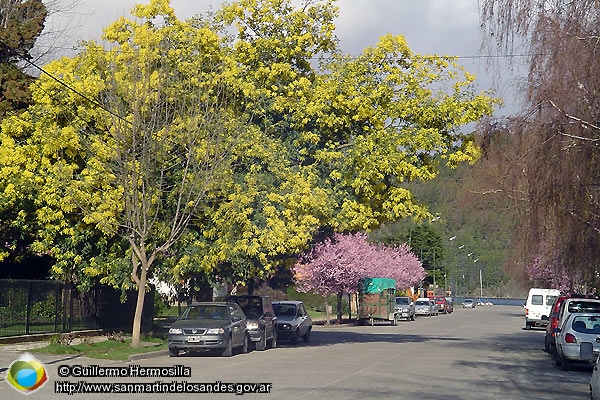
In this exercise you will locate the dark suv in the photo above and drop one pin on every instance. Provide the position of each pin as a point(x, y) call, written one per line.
point(262, 322)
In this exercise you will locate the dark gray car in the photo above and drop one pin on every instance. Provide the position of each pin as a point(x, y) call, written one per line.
point(262, 321)
point(209, 326)
point(293, 322)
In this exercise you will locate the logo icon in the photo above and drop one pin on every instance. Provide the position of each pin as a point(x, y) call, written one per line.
point(26, 374)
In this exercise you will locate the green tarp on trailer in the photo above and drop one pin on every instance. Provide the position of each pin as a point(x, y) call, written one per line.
point(376, 285)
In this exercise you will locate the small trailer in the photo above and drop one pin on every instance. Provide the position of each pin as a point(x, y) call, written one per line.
point(377, 301)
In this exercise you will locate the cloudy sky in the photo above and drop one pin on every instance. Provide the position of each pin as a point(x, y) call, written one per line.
point(445, 27)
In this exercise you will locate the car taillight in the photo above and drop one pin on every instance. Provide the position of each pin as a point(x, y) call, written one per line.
point(570, 338)
point(526, 312)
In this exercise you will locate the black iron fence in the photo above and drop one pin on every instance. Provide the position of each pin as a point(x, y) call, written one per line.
point(36, 306)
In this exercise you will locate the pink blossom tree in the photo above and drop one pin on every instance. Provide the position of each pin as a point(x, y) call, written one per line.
point(337, 264)
point(556, 276)
point(399, 263)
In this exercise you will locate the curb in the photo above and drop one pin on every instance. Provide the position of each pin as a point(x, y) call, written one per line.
point(147, 355)
point(40, 337)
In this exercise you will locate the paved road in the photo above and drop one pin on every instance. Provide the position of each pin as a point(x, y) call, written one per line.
point(471, 354)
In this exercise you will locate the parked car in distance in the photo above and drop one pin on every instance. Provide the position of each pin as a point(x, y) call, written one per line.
point(450, 302)
point(262, 321)
point(538, 306)
point(468, 303)
point(443, 305)
point(576, 340)
point(405, 308)
point(423, 306)
point(207, 326)
point(293, 322)
point(434, 307)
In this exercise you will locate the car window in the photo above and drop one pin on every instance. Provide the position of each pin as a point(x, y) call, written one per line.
point(237, 313)
point(586, 324)
point(252, 306)
point(402, 300)
point(205, 312)
point(537, 300)
point(422, 303)
point(285, 310)
point(301, 310)
point(579, 306)
point(191, 313)
point(550, 300)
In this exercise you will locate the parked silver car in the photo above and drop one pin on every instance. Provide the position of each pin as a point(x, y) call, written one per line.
point(469, 303)
point(293, 322)
point(423, 306)
point(576, 340)
point(405, 308)
point(434, 307)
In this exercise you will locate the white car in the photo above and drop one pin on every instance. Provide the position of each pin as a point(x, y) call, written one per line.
point(468, 303)
point(423, 307)
point(538, 306)
point(576, 340)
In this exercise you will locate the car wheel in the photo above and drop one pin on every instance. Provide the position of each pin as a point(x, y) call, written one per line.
point(262, 343)
point(295, 338)
point(274, 340)
point(556, 358)
point(565, 365)
point(173, 352)
point(228, 351)
point(306, 336)
point(527, 325)
point(245, 344)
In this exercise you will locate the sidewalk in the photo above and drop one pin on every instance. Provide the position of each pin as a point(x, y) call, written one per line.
point(11, 348)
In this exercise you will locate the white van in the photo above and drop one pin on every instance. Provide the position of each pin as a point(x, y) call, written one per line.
point(538, 306)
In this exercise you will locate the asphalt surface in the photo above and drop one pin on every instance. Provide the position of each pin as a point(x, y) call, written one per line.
point(470, 354)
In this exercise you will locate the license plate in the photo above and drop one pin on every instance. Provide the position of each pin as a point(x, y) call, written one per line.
point(194, 339)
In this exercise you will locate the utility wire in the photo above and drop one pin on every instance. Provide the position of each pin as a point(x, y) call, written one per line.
point(69, 87)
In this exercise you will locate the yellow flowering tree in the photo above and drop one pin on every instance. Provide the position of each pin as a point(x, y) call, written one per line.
point(184, 149)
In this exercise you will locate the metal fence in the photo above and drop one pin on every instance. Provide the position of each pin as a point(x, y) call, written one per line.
point(36, 306)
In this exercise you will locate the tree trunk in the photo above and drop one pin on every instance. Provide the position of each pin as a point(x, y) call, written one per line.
point(139, 308)
point(327, 312)
point(339, 308)
point(349, 307)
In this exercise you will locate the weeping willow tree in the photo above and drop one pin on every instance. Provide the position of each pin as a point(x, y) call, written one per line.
point(545, 159)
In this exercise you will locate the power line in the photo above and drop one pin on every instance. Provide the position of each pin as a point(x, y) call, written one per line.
point(62, 83)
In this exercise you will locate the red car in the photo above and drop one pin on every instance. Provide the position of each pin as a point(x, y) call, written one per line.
point(553, 322)
point(444, 306)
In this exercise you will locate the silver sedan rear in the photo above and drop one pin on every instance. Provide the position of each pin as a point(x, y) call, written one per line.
point(577, 339)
